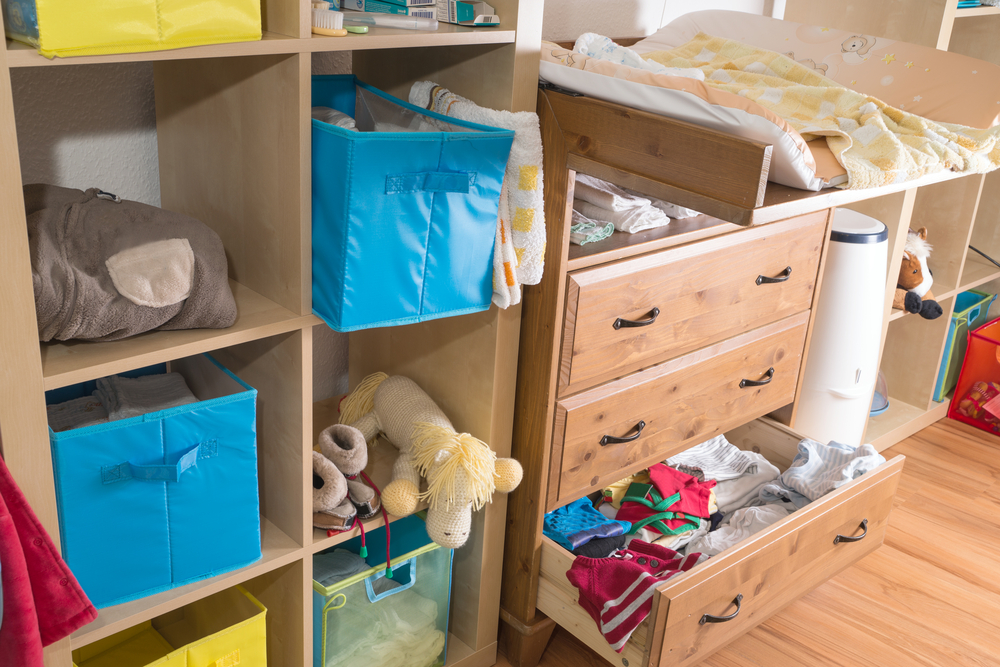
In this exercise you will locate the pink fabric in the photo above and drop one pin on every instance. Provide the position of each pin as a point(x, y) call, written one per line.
point(618, 591)
point(42, 601)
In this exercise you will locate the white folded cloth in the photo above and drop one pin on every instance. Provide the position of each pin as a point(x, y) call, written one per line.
point(630, 220)
point(733, 494)
point(130, 397)
point(606, 195)
point(77, 413)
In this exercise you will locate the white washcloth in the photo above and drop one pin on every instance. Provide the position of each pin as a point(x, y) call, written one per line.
point(77, 413)
point(741, 525)
point(673, 210)
point(602, 48)
point(519, 254)
point(130, 397)
point(584, 230)
point(606, 195)
point(630, 220)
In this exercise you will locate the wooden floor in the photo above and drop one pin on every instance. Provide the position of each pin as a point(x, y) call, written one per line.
point(929, 596)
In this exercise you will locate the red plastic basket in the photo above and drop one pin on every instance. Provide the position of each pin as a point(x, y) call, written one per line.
point(981, 365)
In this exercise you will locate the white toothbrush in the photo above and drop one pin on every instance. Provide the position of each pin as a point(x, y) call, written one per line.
point(328, 22)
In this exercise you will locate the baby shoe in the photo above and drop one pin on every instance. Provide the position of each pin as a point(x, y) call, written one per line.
point(332, 509)
point(345, 446)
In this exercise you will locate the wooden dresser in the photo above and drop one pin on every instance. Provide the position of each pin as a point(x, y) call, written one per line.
point(641, 346)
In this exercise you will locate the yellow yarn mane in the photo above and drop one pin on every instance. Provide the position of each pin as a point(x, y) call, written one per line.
point(361, 401)
point(466, 452)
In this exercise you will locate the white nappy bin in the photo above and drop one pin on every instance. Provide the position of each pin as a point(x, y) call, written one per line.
point(842, 366)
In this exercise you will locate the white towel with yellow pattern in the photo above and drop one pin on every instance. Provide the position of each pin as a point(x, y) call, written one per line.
point(877, 144)
point(519, 254)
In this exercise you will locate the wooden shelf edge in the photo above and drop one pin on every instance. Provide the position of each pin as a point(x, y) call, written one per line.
point(983, 10)
point(277, 548)
point(64, 364)
point(901, 426)
point(272, 43)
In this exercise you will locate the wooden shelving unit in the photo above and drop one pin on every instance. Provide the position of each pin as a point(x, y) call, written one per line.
point(957, 212)
point(233, 133)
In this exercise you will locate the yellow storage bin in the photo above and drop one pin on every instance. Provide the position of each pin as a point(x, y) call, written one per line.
point(223, 630)
point(75, 28)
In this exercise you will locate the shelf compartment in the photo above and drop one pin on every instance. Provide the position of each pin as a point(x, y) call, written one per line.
point(900, 421)
point(977, 270)
point(71, 362)
point(277, 548)
point(381, 458)
point(948, 211)
point(272, 43)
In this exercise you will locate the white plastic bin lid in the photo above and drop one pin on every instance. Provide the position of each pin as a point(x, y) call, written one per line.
point(853, 227)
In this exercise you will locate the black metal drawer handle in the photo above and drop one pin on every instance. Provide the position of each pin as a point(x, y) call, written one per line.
point(780, 278)
point(708, 618)
point(612, 440)
point(619, 323)
point(843, 538)
point(768, 376)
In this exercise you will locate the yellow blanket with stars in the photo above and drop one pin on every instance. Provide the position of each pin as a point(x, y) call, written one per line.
point(877, 144)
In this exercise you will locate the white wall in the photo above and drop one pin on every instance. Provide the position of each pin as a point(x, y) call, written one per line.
point(95, 126)
point(567, 19)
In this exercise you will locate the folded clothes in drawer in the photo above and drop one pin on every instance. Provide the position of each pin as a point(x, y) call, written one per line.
point(707, 502)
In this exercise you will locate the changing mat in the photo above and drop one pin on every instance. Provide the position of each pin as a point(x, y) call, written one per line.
point(877, 144)
point(105, 269)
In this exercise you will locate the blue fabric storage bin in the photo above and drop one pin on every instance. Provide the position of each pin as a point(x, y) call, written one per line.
point(404, 222)
point(163, 499)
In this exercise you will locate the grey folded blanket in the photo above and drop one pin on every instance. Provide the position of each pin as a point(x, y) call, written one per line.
point(106, 270)
point(119, 397)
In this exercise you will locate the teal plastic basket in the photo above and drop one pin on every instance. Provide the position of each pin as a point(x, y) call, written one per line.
point(971, 310)
point(375, 621)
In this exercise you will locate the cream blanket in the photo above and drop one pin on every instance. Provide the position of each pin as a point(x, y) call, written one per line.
point(877, 144)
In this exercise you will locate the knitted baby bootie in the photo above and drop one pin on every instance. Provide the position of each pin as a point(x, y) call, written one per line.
point(332, 509)
point(345, 446)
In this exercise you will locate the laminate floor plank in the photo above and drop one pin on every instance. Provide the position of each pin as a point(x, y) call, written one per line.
point(930, 597)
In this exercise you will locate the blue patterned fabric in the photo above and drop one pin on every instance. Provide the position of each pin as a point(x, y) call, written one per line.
point(818, 469)
point(577, 523)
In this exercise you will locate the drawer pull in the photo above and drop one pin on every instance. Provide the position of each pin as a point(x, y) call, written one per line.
point(780, 278)
point(708, 618)
point(768, 376)
point(619, 323)
point(843, 538)
point(612, 440)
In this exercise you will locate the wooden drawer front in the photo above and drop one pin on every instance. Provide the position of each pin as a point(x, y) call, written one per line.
point(771, 569)
point(682, 402)
point(705, 292)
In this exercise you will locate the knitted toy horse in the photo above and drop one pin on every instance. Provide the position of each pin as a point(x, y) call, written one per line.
point(462, 472)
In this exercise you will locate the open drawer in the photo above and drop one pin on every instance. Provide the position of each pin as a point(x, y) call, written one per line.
point(769, 570)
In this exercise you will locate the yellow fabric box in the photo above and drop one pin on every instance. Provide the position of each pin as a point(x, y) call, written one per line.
point(223, 630)
point(75, 28)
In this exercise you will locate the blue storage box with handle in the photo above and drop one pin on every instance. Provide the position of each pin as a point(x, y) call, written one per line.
point(971, 310)
point(162, 499)
point(404, 211)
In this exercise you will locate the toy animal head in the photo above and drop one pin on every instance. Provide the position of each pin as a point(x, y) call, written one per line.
point(860, 44)
point(462, 473)
point(914, 276)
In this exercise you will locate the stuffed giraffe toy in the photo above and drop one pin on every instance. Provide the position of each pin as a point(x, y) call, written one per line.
point(462, 472)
